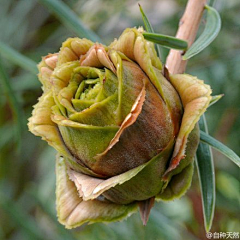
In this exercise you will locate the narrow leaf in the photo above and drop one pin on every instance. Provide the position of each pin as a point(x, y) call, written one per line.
point(205, 166)
point(17, 58)
point(149, 28)
point(211, 30)
point(70, 19)
point(215, 99)
point(166, 41)
point(205, 138)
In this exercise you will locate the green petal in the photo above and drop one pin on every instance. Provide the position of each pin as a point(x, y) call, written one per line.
point(83, 140)
point(139, 183)
point(178, 185)
point(98, 114)
point(102, 110)
point(195, 96)
point(61, 76)
point(72, 49)
point(193, 141)
point(73, 211)
point(41, 124)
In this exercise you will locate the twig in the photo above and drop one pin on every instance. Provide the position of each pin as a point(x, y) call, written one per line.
point(188, 27)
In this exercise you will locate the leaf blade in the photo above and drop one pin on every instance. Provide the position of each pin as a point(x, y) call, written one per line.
point(70, 19)
point(149, 28)
point(205, 167)
point(210, 32)
point(229, 153)
point(166, 41)
point(215, 99)
point(17, 58)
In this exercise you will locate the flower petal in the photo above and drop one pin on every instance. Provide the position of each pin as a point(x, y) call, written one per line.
point(178, 185)
point(148, 119)
point(72, 49)
point(139, 183)
point(41, 124)
point(192, 145)
point(46, 67)
point(97, 57)
point(61, 76)
point(195, 96)
point(132, 44)
point(83, 140)
point(73, 211)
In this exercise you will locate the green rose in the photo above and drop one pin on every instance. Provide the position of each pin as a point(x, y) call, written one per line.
point(125, 134)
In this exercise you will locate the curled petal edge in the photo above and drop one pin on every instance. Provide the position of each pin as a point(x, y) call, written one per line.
point(73, 211)
point(195, 96)
point(129, 120)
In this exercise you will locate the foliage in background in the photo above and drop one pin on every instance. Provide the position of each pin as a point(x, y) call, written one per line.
point(27, 180)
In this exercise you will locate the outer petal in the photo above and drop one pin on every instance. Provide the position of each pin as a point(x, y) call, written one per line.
point(73, 211)
point(178, 185)
point(41, 124)
point(83, 140)
point(72, 49)
point(134, 46)
point(97, 57)
point(46, 67)
point(178, 180)
point(195, 96)
point(139, 183)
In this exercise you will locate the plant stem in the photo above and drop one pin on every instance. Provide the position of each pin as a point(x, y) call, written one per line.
point(188, 27)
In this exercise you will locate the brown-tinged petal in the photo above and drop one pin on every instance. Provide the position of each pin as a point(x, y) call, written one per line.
point(192, 145)
point(151, 123)
point(97, 57)
point(73, 211)
point(195, 96)
point(46, 67)
point(134, 46)
point(129, 120)
point(139, 183)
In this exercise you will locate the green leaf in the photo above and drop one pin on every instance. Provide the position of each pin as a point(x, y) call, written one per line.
point(166, 41)
point(70, 19)
point(205, 138)
point(215, 99)
point(149, 28)
point(18, 58)
point(205, 166)
point(211, 30)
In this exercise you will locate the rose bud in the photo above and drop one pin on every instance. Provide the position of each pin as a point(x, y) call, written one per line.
point(124, 133)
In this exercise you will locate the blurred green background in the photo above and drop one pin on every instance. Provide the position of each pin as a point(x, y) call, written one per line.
point(27, 175)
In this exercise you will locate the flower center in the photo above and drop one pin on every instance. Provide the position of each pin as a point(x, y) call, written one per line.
point(88, 89)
